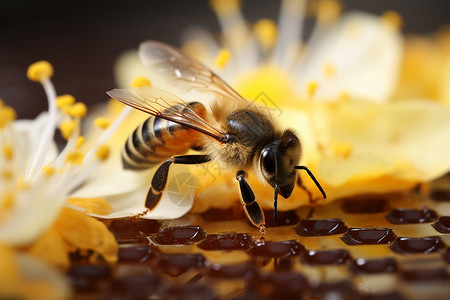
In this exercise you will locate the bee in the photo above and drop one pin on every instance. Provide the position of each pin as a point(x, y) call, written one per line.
point(235, 132)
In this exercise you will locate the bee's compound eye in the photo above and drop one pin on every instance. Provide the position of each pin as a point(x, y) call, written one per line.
point(268, 161)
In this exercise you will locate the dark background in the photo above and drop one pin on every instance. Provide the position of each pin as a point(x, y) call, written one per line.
point(82, 39)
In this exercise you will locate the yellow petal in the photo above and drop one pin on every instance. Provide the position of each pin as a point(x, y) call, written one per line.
point(51, 248)
point(86, 233)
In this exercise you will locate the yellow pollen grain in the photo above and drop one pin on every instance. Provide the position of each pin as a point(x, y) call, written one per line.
point(40, 71)
point(67, 128)
point(7, 115)
point(140, 81)
point(65, 100)
point(102, 152)
point(222, 58)
point(266, 32)
point(78, 110)
point(329, 70)
point(80, 142)
point(311, 88)
point(328, 10)
point(48, 171)
point(225, 6)
point(8, 152)
point(75, 157)
point(392, 18)
point(342, 149)
point(344, 96)
point(102, 122)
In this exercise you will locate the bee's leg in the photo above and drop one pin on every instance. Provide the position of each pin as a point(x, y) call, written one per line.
point(251, 207)
point(159, 180)
point(312, 200)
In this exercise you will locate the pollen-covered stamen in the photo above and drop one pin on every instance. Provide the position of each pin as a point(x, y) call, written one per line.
point(311, 88)
point(392, 19)
point(42, 71)
point(102, 122)
point(290, 32)
point(266, 33)
point(222, 58)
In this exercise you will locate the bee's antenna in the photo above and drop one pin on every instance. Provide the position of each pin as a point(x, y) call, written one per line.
point(275, 199)
point(313, 178)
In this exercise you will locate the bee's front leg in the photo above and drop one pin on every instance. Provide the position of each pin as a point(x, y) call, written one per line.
point(159, 180)
point(251, 207)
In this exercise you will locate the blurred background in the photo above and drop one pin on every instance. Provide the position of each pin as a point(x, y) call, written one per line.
point(82, 39)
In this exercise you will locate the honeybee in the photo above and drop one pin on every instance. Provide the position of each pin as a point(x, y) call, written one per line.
point(231, 130)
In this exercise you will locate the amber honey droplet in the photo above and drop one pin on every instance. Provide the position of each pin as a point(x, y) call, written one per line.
point(309, 227)
point(365, 206)
point(180, 235)
point(435, 275)
point(411, 216)
point(136, 253)
point(325, 257)
point(440, 195)
point(442, 225)
point(234, 271)
point(177, 264)
point(276, 249)
point(372, 266)
point(368, 236)
point(226, 241)
point(409, 245)
point(446, 255)
point(284, 218)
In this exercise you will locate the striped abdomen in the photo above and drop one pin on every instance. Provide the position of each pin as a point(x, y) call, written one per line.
point(158, 139)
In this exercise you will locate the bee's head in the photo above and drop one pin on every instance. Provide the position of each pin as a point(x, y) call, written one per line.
point(277, 161)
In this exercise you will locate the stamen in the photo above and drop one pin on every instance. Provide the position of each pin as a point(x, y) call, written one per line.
point(223, 57)
point(80, 142)
point(290, 32)
point(78, 110)
point(75, 157)
point(48, 171)
point(140, 81)
point(67, 128)
point(102, 123)
point(107, 133)
point(7, 115)
point(7, 174)
point(328, 11)
point(8, 152)
point(311, 88)
point(266, 32)
point(40, 70)
point(392, 19)
point(64, 101)
point(102, 152)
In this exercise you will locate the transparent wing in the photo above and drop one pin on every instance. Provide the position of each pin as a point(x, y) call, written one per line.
point(167, 106)
point(183, 71)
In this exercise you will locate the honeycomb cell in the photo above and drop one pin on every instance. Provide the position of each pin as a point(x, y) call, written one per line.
point(177, 264)
point(424, 245)
point(140, 253)
point(442, 225)
point(373, 266)
point(276, 249)
point(133, 230)
point(309, 227)
point(226, 241)
point(368, 236)
point(435, 275)
point(411, 216)
point(365, 206)
point(284, 218)
point(234, 271)
point(440, 195)
point(325, 257)
point(179, 235)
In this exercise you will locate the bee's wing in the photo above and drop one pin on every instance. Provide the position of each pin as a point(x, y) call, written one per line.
point(184, 72)
point(161, 103)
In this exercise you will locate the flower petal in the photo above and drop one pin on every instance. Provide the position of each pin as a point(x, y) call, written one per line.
point(365, 54)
